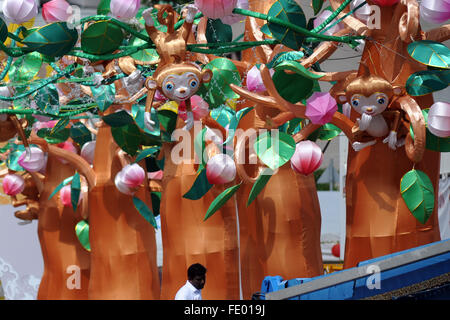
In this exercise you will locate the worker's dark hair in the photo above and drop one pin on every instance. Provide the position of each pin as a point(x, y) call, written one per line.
point(196, 270)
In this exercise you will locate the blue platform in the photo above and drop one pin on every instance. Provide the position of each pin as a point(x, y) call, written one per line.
point(411, 271)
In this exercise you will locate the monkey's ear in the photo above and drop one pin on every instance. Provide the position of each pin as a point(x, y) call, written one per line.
point(206, 75)
point(398, 91)
point(341, 97)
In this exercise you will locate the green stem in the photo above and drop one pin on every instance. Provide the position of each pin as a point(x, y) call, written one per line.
point(345, 16)
point(332, 16)
point(344, 39)
point(180, 22)
point(128, 52)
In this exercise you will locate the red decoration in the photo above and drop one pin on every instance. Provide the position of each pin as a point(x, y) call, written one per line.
point(336, 250)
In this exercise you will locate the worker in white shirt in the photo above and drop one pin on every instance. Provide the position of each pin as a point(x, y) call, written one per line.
point(196, 281)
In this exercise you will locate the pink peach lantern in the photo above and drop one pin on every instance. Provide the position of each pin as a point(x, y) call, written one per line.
point(234, 18)
point(220, 169)
point(439, 119)
point(434, 11)
point(20, 11)
point(65, 195)
point(320, 108)
point(88, 151)
point(133, 175)
point(68, 146)
point(307, 157)
point(216, 9)
point(125, 9)
point(13, 184)
point(199, 107)
point(56, 10)
point(385, 3)
point(34, 162)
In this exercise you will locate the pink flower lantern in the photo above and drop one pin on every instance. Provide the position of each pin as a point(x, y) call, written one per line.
point(307, 157)
point(385, 3)
point(125, 9)
point(254, 80)
point(439, 119)
point(235, 18)
point(56, 10)
point(20, 11)
point(220, 169)
point(216, 9)
point(322, 17)
point(435, 11)
point(13, 184)
point(35, 162)
point(320, 107)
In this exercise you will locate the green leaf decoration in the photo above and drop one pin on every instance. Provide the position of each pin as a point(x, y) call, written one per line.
point(101, 37)
point(118, 119)
point(218, 90)
point(75, 190)
point(104, 96)
point(103, 7)
point(60, 186)
point(328, 132)
point(144, 210)
point(293, 87)
point(146, 55)
point(47, 99)
point(260, 183)
point(234, 122)
point(297, 68)
point(200, 187)
point(80, 134)
point(317, 5)
point(128, 138)
point(3, 31)
point(274, 150)
point(146, 153)
point(285, 56)
point(82, 232)
point(217, 31)
point(12, 163)
point(430, 53)
point(223, 115)
point(221, 200)
point(433, 142)
point(54, 137)
point(61, 124)
point(428, 81)
point(265, 29)
point(26, 67)
point(53, 40)
point(168, 120)
point(288, 11)
point(418, 193)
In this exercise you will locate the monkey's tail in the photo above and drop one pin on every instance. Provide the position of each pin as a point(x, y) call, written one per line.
point(169, 19)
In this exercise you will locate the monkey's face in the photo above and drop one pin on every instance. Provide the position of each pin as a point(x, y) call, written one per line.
point(372, 105)
point(180, 87)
